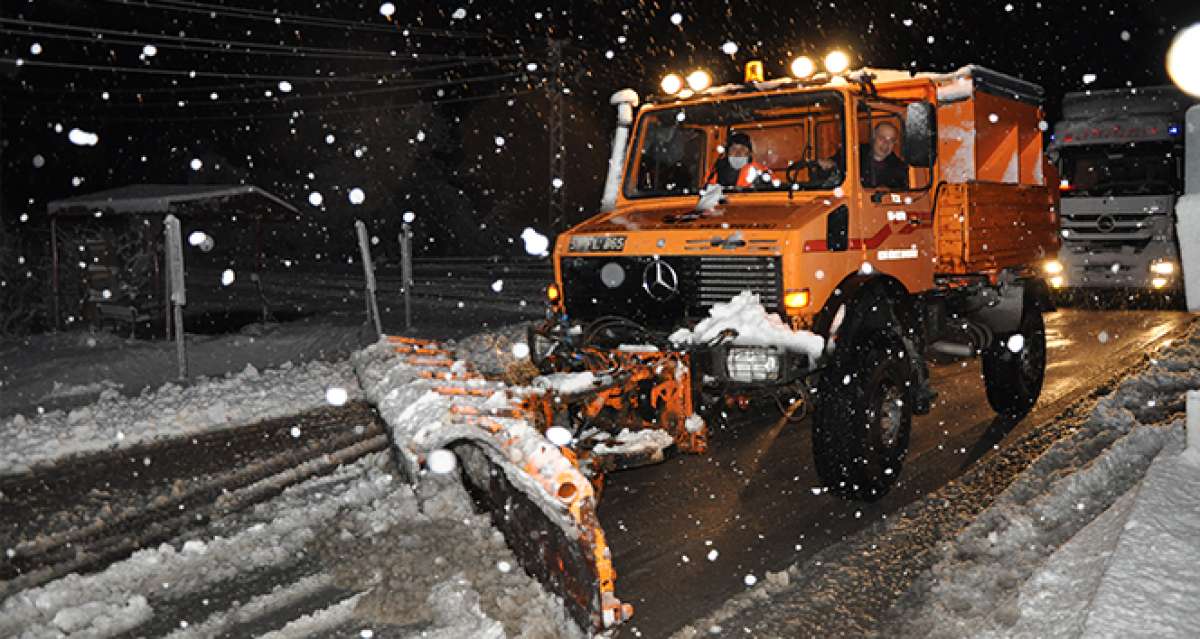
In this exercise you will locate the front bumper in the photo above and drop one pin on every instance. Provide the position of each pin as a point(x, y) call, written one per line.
point(1099, 271)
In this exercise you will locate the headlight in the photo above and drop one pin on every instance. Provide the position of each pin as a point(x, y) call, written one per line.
point(1057, 281)
point(1158, 282)
point(1163, 268)
point(1052, 267)
point(752, 364)
point(671, 84)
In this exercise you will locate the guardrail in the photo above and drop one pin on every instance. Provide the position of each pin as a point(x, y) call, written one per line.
point(503, 282)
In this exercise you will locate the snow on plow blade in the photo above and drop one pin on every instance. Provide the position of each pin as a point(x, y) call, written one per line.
point(541, 494)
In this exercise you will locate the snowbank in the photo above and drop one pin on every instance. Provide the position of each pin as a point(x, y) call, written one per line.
point(1062, 552)
point(420, 559)
point(116, 421)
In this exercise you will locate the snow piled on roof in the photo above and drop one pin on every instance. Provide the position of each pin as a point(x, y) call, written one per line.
point(754, 325)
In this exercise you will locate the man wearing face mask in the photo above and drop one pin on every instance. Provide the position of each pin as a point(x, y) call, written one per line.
point(738, 168)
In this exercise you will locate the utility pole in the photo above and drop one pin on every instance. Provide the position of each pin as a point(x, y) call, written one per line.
point(554, 93)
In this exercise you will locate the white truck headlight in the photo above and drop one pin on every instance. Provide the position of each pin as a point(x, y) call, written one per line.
point(753, 363)
point(1163, 267)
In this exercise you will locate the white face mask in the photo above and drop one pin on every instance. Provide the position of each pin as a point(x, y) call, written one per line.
point(737, 162)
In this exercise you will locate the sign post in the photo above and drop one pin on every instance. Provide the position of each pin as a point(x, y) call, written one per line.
point(1187, 211)
point(178, 294)
point(406, 272)
point(364, 246)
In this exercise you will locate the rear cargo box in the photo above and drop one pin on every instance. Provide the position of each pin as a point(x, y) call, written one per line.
point(983, 226)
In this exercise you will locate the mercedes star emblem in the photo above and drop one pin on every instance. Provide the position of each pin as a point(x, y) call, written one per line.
point(1106, 223)
point(660, 280)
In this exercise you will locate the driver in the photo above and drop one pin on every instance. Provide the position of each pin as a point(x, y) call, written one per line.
point(738, 168)
point(878, 163)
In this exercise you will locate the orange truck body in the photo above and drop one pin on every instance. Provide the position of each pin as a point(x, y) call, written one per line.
point(982, 207)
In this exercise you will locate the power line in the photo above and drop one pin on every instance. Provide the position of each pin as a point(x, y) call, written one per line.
point(180, 72)
point(205, 47)
point(205, 8)
point(281, 100)
point(399, 84)
point(301, 113)
point(148, 38)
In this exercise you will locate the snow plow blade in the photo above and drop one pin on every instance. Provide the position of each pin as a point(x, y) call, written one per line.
point(574, 565)
point(534, 455)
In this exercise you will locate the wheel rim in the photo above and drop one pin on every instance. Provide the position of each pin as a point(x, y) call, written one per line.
point(891, 415)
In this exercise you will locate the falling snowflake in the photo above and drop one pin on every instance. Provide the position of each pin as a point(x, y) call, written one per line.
point(336, 396)
point(1016, 343)
point(558, 435)
point(357, 196)
point(315, 198)
point(459, 14)
point(227, 277)
point(387, 9)
point(677, 18)
point(750, 580)
point(196, 164)
point(149, 50)
point(498, 285)
point(285, 86)
point(729, 48)
point(535, 243)
point(441, 461)
point(1089, 78)
point(79, 137)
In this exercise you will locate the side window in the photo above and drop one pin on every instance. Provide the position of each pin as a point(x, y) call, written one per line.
point(881, 134)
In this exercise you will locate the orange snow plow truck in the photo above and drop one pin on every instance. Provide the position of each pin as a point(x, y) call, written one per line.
point(874, 217)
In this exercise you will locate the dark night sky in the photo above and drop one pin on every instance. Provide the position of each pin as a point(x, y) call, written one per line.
point(252, 135)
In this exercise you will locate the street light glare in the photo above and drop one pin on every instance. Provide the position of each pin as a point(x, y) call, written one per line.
point(1181, 60)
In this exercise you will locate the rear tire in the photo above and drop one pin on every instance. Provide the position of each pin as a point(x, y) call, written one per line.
point(1014, 379)
point(863, 419)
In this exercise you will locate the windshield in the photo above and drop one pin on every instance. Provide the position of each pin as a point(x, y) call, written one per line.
point(681, 150)
point(1139, 168)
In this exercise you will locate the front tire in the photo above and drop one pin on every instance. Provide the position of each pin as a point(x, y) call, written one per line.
point(1013, 372)
point(863, 419)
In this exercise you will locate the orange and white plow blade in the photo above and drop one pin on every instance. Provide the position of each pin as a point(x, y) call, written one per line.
point(535, 491)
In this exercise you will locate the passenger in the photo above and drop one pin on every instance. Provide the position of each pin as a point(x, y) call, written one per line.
point(738, 167)
point(878, 162)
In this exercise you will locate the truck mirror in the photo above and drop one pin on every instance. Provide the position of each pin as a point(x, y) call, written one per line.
point(920, 134)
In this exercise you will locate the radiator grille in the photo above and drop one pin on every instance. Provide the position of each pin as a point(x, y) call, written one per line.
point(700, 282)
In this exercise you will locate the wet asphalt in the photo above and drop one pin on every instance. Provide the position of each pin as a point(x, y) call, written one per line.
point(755, 498)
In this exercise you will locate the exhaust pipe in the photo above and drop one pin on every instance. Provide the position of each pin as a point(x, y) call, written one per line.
point(625, 100)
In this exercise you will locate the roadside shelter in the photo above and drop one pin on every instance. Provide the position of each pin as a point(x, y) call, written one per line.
point(106, 247)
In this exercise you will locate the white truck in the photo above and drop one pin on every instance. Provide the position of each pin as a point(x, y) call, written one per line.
point(1120, 155)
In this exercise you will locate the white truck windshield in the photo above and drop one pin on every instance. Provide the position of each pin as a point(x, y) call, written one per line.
point(1143, 168)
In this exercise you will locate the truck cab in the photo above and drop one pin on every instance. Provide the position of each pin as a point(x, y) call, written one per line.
point(1120, 156)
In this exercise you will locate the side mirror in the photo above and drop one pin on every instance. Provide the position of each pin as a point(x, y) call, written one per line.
point(920, 134)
